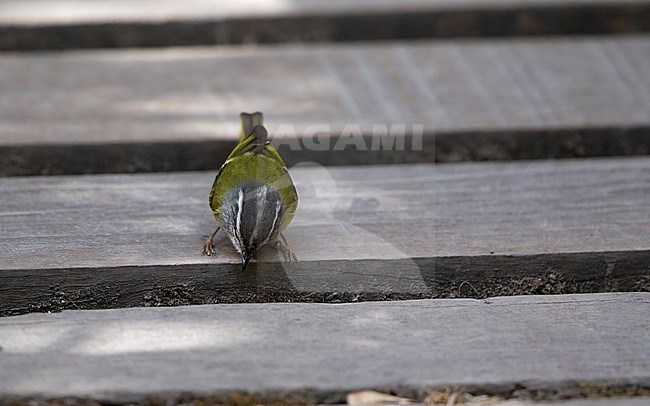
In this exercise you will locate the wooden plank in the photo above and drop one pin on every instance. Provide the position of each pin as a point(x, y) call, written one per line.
point(535, 346)
point(29, 24)
point(361, 233)
point(177, 109)
point(616, 401)
point(603, 401)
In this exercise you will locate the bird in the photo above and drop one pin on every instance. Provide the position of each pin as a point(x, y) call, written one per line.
point(253, 197)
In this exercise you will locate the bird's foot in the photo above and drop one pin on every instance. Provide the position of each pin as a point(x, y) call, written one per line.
point(285, 249)
point(208, 247)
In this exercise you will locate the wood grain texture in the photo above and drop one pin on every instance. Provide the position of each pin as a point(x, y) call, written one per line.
point(605, 401)
point(526, 345)
point(360, 233)
point(177, 109)
point(31, 25)
point(33, 12)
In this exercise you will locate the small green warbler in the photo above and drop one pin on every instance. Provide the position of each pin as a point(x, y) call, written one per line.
point(253, 197)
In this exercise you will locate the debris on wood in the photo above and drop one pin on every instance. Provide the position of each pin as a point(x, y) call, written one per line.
point(370, 397)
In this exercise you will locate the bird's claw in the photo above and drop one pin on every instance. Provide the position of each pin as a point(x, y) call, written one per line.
point(286, 250)
point(208, 248)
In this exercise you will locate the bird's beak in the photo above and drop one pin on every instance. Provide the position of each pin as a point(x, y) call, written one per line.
point(244, 262)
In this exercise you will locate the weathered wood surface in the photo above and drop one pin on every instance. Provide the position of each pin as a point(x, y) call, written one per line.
point(603, 401)
point(404, 231)
point(635, 401)
point(30, 24)
point(177, 109)
point(606, 401)
point(615, 401)
point(543, 345)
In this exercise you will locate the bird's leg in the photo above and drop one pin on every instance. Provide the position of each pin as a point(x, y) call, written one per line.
point(208, 247)
point(287, 252)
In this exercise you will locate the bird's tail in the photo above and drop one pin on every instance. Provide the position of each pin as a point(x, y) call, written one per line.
point(248, 123)
point(255, 138)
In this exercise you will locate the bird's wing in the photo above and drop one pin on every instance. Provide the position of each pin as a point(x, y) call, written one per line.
point(254, 159)
point(255, 167)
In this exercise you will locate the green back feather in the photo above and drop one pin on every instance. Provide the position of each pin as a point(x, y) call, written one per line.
point(254, 159)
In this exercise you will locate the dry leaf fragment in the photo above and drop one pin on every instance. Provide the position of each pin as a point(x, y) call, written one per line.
point(371, 397)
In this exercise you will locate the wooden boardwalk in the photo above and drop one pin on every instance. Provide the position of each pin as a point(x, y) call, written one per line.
point(176, 109)
point(422, 272)
point(417, 231)
point(27, 25)
point(322, 352)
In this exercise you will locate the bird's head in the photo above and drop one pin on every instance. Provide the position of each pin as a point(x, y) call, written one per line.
point(251, 214)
